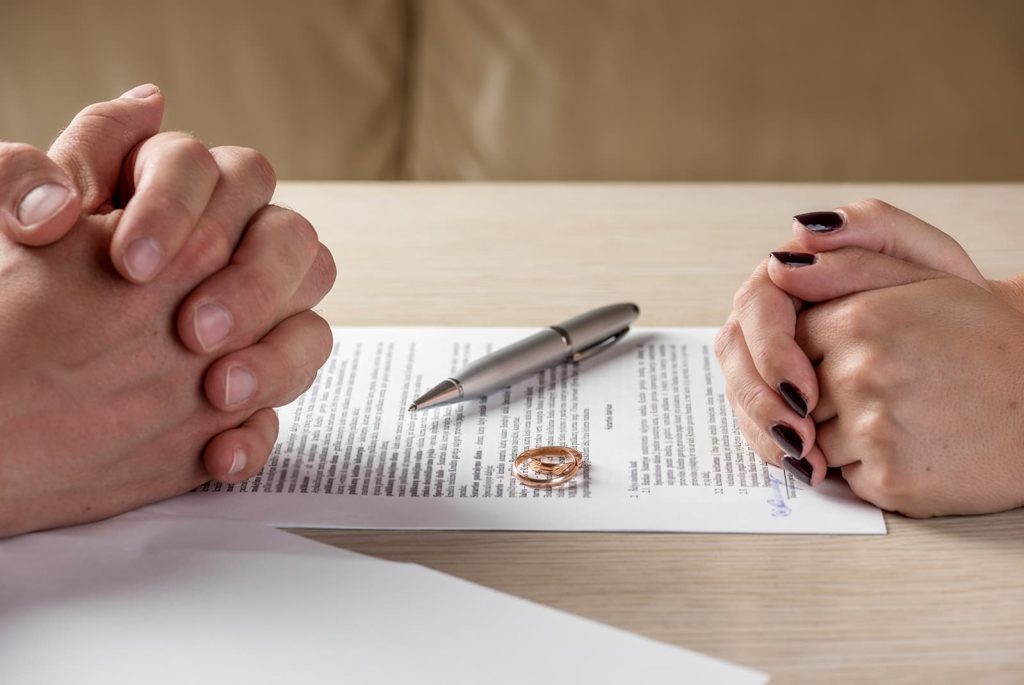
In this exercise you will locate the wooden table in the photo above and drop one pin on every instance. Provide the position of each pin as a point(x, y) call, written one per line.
point(934, 601)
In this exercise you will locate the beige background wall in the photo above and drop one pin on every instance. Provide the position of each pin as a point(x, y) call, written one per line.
point(912, 90)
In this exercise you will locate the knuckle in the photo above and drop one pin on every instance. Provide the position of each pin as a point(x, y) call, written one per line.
point(261, 297)
point(304, 232)
point(876, 427)
point(891, 486)
point(858, 377)
point(751, 396)
point(103, 118)
point(865, 487)
point(745, 297)
point(324, 271)
point(285, 222)
point(868, 209)
point(886, 480)
point(325, 341)
point(249, 163)
point(319, 346)
point(273, 427)
point(209, 248)
point(725, 339)
point(192, 151)
point(750, 435)
point(861, 319)
point(874, 371)
point(764, 349)
point(292, 231)
point(846, 375)
point(300, 228)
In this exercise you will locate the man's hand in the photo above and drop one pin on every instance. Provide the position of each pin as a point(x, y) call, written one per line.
point(174, 194)
point(234, 277)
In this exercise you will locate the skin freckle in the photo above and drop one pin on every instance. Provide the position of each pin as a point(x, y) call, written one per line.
point(1013, 404)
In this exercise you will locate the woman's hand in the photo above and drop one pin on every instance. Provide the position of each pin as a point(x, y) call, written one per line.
point(770, 382)
point(920, 382)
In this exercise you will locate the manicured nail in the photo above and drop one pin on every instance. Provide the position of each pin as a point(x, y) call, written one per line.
point(142, 258)
point(820, 222)
point(239, 386)
point(794, 398)
point(787, 438)
point(212, 324)
point(796, 259)
point(801, 469)
point(140, 92)
point(238, 459)
point(42, 203)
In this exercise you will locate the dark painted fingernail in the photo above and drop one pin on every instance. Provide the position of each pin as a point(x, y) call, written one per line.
point(794, 398)
point(787, 438)
point(795, 258)
point(800, 468)
point(820, 222)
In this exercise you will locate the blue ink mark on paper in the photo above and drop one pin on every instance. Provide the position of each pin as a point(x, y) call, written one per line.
point(778, 500)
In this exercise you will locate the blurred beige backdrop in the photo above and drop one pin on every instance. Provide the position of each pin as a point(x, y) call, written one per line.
point(690, 90)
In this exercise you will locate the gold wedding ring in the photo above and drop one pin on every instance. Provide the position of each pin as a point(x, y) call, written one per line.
point(547, 467)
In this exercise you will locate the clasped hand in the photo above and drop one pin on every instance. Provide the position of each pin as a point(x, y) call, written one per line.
point(154, 308)
point(872, 343)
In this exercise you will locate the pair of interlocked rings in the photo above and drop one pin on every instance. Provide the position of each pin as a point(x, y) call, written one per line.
point(547, 467)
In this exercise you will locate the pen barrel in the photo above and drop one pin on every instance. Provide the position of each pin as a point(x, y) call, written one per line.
point(541, 350)
point(598, 324)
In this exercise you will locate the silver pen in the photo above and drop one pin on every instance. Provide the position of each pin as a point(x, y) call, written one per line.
point(573, 340)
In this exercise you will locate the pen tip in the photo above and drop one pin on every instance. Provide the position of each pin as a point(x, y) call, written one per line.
point(412, 407)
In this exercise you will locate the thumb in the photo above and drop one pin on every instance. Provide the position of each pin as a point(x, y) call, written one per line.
point(94, 146)
point(38, 202)
point(880, 227)
point(848, 270)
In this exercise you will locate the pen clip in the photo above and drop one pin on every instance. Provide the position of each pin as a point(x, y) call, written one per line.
point(599, 346)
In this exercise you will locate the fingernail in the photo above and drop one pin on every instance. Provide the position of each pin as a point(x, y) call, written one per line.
point(238, 459)
point(239, 386)
point(42, 203)
point(140, 92)
point(820, 222)
point(794, 398)
point(212, 324)
point(795, 258)
point(142, 258)
point(787, 438)
point(801, 469)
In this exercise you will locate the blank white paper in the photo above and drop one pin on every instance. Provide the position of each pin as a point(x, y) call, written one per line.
point(150, 599)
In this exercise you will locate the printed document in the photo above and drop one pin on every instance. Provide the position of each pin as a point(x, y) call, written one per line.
point(661, 446)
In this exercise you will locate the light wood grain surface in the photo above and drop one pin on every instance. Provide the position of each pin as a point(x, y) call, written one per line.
point(936, 601)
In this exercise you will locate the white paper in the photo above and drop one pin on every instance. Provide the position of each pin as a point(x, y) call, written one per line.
point(662, 447)
point(148, 599)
